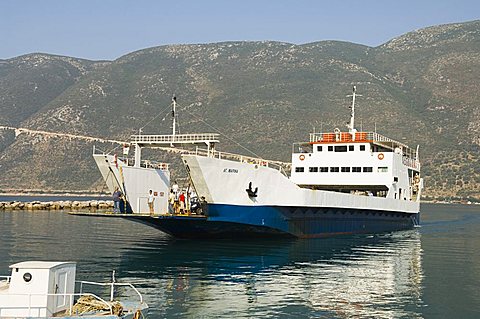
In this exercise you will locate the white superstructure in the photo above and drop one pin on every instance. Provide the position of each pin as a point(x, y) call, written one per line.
point(357, 162)
point(372, 163)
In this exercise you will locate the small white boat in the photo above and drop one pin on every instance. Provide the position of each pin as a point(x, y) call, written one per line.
point(42, 289)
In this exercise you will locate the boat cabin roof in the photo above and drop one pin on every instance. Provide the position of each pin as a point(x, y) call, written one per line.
point(360, 137)
point(40, 264)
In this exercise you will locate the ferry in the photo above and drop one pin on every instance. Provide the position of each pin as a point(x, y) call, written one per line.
point(336, 183)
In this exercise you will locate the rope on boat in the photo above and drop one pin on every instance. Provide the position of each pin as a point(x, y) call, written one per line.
point(138, 315)
point(88, 304)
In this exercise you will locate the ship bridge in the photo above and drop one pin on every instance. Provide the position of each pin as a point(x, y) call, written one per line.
point(381, 141)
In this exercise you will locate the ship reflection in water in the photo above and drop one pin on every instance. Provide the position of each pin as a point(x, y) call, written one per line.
point(364, 276)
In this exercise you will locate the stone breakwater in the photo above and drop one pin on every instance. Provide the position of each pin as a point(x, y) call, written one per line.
point(57, 205)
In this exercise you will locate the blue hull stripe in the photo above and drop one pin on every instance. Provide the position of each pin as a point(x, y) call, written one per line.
point(268, 221)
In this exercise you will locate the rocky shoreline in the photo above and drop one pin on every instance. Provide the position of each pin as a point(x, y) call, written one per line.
point(57, 205)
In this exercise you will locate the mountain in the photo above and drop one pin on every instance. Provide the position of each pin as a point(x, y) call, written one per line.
point(417, 88)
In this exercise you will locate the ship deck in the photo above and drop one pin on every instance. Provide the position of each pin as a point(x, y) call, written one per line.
point(136, 215)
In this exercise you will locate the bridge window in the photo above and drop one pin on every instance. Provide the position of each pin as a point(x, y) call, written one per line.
point(350, 148)
point(362, 147)
point(368, 169)
point(319, 148)
point(356, 169)
point(341, 148)
point(313, 169)
point(382, 169)
point(334, 169)
point(299, 169)
point(330, 148)
point(346, 169)
point(323, 169)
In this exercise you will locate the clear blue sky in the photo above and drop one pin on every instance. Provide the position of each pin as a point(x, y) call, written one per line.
point(108, 29)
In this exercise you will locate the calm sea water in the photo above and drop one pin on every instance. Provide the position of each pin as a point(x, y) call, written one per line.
point(430, 272)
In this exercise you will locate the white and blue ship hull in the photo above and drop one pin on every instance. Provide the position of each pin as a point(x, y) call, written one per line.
point(225, 221)
point(339, 183)
point(280, 207)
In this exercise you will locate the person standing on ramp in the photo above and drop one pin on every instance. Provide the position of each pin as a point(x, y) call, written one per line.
point(151, 200)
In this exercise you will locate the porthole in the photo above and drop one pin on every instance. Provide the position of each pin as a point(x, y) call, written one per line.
point(27, 277)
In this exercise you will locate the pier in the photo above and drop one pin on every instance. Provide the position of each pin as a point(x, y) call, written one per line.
point(91, 205)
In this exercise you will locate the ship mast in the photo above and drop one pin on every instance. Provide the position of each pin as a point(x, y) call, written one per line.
point(351, 126)
point(174, 106)
point(173, 140)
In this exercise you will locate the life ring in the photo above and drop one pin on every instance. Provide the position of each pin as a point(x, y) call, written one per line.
point(301, 157)
point(380, 156)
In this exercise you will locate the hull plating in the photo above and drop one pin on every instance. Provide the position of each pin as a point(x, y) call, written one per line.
point(229, 221)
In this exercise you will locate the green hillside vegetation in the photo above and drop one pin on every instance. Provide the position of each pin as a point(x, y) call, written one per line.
point(417, 88)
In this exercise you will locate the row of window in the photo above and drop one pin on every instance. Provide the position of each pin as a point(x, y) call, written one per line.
point(347, 169)
point(340, 148)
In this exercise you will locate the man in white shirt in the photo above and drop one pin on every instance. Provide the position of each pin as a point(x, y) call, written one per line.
point(175, 189)
point(171, 202)
point(151, 199)
point(176, 193)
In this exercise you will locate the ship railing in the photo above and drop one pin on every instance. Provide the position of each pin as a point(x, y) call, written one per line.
point(112, 286)
point(283, 167)
point(151, 164)
point(367, 137)
point(347, 137)
point(98, 151)
point(129, 161)
point(174, 139)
